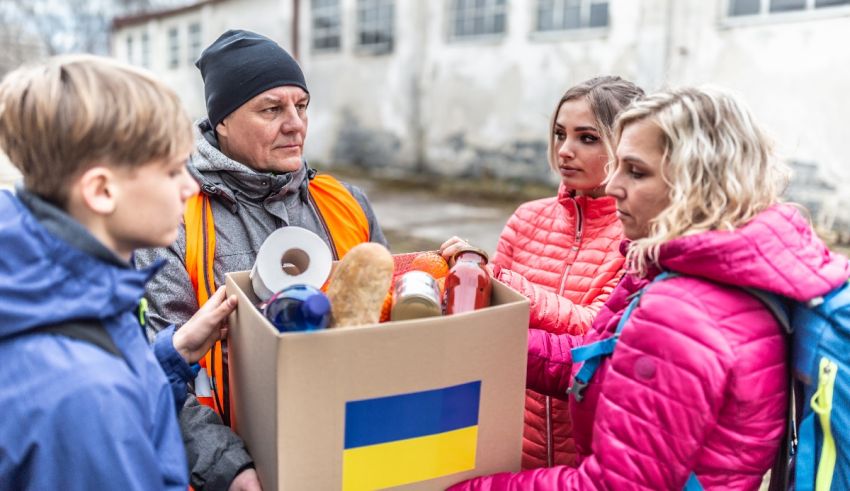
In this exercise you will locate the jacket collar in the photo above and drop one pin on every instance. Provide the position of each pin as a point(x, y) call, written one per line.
point(223, 177)
point(603, 208)
point(64, 227)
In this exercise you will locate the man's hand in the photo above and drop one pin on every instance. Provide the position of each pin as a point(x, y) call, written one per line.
point(208, 325)
point(246, 480)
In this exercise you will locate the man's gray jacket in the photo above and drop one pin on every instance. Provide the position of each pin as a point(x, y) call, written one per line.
point(247, 206)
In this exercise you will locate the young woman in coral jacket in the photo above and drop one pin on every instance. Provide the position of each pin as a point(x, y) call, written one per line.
point(563, 252)
point(696, 387)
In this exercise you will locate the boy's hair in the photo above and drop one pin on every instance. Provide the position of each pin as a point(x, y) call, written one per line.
point(718, 165)
point(63, 116)
point(607, 95)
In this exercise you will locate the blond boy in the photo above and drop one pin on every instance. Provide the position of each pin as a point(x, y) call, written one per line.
point(86, 403)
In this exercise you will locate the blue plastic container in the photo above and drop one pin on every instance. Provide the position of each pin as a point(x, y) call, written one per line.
point(298, 308)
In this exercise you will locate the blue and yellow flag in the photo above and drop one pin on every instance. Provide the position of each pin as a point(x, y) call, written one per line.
point(406, 438)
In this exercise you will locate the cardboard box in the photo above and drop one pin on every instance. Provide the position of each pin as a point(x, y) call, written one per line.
point(391, 404)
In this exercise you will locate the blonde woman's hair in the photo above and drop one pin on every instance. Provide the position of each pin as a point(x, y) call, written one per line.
point(717, 162)
point(60, 117)
point(607, 95)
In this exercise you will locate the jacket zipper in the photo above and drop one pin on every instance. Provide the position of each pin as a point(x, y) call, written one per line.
point(204, 224)
point(574, 249)
point(550, 457)
point(550, 450)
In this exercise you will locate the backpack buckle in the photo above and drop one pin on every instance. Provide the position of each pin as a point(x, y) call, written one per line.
point(576, 389)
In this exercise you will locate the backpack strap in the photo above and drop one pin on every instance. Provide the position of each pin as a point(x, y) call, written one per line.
point(776, 305)
point(780, 475)
point(592, 354)
point(88, 330)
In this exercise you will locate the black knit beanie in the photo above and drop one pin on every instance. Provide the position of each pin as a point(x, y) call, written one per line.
point(240, 65)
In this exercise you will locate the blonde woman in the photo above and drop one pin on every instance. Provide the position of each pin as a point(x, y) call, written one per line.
point(695, 389)
point(563, 252)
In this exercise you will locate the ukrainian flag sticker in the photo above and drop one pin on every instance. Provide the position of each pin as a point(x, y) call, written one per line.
point(406, 438)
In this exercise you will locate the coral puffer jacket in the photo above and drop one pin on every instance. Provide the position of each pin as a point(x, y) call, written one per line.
point(697, 382)
point(563, 254)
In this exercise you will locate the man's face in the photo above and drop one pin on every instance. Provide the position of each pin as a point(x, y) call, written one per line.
point(267, 133)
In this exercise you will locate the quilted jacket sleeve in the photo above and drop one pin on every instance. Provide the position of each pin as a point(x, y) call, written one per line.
point(549, 310)
point(216, 454)
point(552, 312)
point(550, 361)
point(660, 397)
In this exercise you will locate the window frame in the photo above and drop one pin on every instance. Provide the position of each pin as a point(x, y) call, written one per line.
point(194, 41)
point(765, 16)
point(376, 25)
point(145, 46)
point(497, 7)
point(129, 42)
point(585, 8)
point(173, 46)
point(326, 33)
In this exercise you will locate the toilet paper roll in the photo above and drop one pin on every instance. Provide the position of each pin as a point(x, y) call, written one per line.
point(289, 256)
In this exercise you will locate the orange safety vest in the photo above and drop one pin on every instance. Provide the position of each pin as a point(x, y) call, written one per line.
point(343, 220)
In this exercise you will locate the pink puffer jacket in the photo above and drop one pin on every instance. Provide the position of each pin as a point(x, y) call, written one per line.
point(563, 254)
point(697, 382)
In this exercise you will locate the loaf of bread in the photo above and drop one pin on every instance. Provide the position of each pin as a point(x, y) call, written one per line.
point(359, 285)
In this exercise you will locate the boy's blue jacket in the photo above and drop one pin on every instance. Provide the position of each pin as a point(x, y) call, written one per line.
point(73, 415)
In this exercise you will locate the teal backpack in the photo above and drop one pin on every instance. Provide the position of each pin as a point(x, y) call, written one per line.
point(816, 453)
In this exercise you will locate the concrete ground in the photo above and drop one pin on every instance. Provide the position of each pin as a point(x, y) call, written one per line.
point(416, 219)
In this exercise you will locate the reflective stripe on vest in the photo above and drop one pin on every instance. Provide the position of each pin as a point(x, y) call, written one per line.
point(344, 222)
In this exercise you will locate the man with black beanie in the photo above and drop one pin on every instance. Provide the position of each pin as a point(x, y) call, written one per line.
point(253, 180)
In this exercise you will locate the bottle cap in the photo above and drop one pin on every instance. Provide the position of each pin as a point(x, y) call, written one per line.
point(316, 306)
point(476, 250)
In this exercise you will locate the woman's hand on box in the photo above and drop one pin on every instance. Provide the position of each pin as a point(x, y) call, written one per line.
point(208, 325)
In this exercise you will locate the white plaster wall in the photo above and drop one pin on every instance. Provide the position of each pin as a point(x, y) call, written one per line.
point(481, 106)
point(792, 69)
point(267, 17)
point(487, 102)
point(362, 104)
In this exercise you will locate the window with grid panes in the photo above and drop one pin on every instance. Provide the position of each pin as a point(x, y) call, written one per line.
point(471, 18)
point(375, 25)
point(194, 42)
point(326, 25)
point(562, 15)
point(130, 49)
point(146, 50)
point(738, 8)
point(173, 48)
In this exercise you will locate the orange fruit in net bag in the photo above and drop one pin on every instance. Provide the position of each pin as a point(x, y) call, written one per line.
point(387, 307)
point(431, 263)
point(441, 282)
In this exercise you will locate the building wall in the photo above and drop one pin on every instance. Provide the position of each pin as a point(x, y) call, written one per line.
point(363, 105)
point(480, 107)
point(792, 69)
point(264, 16)
point(487, 102)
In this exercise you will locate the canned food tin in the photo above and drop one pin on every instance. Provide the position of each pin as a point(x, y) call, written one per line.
point(416, 295)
